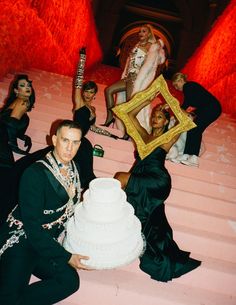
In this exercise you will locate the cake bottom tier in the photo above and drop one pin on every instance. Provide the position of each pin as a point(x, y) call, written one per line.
point(106, 256)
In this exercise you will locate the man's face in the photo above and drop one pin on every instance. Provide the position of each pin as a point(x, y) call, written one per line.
point(178, 84)
point(66, 144)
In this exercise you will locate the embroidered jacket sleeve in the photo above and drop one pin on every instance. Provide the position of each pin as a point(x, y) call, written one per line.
point(36, 195)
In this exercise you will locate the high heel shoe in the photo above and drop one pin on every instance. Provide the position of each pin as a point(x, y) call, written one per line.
point(107, 124)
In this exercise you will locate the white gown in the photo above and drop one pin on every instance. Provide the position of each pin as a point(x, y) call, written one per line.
point(143, 66)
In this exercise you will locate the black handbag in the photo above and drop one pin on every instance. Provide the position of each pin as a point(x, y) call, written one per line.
point(98, 151)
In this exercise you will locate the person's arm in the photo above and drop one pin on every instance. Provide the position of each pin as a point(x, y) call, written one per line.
point(79, 80)
point(20, 108)
point(167, 146)
point(190, 91)
point(102, 131)
point(133, 116)
point(78, 99)
point(32, 203)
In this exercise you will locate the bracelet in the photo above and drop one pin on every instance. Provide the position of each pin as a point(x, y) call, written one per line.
point(100, 131)
point(80, 71)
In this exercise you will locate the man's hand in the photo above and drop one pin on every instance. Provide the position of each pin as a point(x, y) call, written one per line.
point(75, 262)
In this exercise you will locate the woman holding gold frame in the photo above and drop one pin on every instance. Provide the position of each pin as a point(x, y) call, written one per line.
point(148, 184)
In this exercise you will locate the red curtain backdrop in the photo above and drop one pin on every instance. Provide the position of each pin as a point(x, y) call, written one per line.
point(213, 64)
point(47, 35)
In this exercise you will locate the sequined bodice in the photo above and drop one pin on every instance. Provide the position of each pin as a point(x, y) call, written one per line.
point(136, 61)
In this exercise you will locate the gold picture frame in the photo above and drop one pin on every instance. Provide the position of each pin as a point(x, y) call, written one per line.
point(159, 86)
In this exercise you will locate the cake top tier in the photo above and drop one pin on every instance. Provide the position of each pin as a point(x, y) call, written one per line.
point(104, 189)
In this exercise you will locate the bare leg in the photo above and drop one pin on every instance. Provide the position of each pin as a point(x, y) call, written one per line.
point(109, 97)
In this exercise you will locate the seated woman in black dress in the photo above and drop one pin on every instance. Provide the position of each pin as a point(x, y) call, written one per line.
point(147, 186)
point(14, 119)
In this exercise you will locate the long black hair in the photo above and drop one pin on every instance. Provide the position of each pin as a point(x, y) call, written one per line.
point(12, 95)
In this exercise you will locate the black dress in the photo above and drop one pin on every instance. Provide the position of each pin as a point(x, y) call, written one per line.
point(10, 171)
point(10, 129)
point(84, 156)
point(148, 187)
point(82, 116)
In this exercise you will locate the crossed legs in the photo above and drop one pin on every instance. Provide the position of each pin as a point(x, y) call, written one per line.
point(122, 85)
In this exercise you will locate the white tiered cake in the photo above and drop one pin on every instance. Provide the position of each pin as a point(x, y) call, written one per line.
point(104, 227)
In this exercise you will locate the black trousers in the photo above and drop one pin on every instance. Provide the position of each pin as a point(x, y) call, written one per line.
point(17, 264)
point(194, 136)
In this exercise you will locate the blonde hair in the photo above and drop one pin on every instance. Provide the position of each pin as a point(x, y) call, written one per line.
point(177, 76)
point(151, 37)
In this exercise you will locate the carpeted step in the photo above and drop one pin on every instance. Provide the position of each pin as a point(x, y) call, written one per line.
point(201, 207)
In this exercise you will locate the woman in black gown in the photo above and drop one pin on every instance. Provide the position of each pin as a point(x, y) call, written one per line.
point(14, 122)
point(14, 119)
point(147, 186)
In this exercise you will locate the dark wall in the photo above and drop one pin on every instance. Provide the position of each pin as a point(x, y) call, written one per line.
point(185, 21)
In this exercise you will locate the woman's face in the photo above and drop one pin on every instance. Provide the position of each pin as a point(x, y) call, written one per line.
point(24, 89)
point(144, 33)
point(88, 95)
point(158, 119)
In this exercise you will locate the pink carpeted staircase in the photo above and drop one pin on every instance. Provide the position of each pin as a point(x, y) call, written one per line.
point(201, 208)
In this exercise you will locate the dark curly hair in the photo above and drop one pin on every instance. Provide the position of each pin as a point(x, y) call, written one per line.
point(90, 85)
point(12, 95)
point(165, 112)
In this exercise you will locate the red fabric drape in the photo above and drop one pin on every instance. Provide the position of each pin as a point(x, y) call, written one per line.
point(214, 63)
point(46, 35)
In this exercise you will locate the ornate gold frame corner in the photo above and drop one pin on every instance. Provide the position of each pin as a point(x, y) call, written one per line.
point(159, 86)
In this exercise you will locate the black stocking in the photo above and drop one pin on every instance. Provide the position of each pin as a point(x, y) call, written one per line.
point(109, 96)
